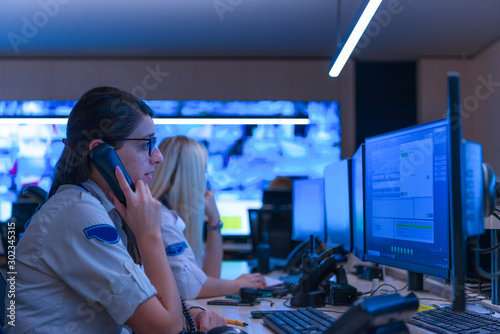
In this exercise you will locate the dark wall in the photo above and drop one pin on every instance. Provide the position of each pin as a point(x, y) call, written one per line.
point(386, 98)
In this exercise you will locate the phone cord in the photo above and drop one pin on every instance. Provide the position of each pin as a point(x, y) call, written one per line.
point(189, 319)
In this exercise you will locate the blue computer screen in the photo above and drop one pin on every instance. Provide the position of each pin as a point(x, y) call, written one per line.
point(407, 199)
point(337, 178)
point(358, 207)
point(308, 209)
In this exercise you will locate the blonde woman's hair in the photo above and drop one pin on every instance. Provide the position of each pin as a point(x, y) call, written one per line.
point(179, 182)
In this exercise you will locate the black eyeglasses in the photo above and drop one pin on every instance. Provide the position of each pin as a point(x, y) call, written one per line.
point(151, 143)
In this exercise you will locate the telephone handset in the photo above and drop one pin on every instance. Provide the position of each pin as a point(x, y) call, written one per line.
point(326, 268)
point(294, 259)
point(337, 251)
point(105, 159)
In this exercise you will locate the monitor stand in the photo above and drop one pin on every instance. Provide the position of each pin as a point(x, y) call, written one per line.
point(415, 281)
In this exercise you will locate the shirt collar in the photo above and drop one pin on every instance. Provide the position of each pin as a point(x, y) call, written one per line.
point(97, 192)
point(179, 223)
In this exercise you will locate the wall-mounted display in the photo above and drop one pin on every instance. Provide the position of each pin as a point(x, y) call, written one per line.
point(244, 157)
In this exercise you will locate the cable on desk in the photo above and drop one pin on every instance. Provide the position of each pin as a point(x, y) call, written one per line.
point(289, 305)
point(396, 289)
point(381, 285)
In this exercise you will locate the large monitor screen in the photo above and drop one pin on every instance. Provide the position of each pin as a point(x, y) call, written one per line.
point(338, 208)
point(358, 203)
point(407, 199)
point(234, 215)
point(308, 209)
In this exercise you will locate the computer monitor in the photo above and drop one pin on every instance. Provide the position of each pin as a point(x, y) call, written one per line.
point(338, 209)
point(407, 199)
point(234, 215)
point(423, 197)
point(358, 205)
point(308, 209)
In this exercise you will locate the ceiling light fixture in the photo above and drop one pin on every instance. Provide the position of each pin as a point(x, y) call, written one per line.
point(235, 120)
point(345, 51)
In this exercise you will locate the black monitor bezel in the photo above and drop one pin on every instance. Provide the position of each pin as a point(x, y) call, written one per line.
point(457, 195)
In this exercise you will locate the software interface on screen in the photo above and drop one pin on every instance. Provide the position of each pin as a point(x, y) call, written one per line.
point(308, 209)
point(358, 214)
point(337, 179)
point(407, 201)
point(234, 215)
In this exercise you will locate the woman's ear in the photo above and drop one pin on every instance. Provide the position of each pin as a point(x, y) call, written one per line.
point(95, 143)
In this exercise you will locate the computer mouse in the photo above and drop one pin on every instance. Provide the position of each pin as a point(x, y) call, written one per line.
point(226, 330)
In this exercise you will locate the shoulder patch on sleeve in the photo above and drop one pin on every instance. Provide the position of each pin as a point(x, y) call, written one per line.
point(102, 232)
point(176, 249)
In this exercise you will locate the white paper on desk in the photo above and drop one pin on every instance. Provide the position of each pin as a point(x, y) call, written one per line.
point(270, 281)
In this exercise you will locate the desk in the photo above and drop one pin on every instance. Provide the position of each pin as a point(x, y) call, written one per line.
point(242, 313)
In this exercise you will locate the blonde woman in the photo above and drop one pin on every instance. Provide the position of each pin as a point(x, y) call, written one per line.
point(179, 183)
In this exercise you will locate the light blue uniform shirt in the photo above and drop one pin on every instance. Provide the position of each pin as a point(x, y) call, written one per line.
point(74, 274)
point(188, 275)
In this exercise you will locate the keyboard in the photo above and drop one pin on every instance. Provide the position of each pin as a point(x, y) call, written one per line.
point(306, 320)
point(445, 321)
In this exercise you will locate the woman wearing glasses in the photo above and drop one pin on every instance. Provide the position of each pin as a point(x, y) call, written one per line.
point(180, 185)
point(87, 263)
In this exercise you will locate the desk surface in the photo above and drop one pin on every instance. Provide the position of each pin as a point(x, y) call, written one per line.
point(242, 313)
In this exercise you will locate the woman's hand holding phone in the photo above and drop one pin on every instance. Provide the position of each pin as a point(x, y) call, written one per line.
point(142, 212)
point(211, 211)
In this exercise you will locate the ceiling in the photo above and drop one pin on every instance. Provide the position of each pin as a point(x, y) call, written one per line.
point(402, 30)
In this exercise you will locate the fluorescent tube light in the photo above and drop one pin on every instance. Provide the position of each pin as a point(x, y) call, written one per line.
point(33, 120)
point(181, 120)
point(343, 55)
point(240, 121)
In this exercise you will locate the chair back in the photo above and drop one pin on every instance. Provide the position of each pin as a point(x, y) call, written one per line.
point(3, 293)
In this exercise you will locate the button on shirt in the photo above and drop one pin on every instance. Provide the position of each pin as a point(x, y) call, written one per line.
point(74, 274)
point(188, 275)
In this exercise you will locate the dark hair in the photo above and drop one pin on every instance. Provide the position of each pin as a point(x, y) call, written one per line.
point(105, 113)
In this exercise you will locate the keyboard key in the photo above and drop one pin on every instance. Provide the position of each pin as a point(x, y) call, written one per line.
point(445, 321)
point(308, 320)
